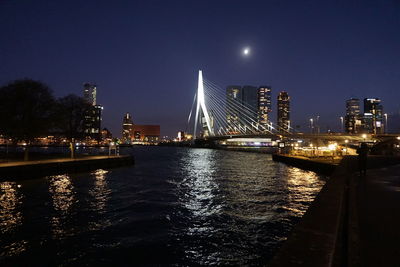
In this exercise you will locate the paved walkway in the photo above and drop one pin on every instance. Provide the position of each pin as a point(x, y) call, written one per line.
point(378, 214)
point(354, 221)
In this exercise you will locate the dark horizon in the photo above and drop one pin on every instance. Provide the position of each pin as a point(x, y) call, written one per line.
point(144, 55)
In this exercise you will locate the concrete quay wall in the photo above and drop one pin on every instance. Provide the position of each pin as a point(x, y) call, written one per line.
point(307, 164)
point(36, 169)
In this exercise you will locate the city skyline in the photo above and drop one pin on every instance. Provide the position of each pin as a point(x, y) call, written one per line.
point(149, 67)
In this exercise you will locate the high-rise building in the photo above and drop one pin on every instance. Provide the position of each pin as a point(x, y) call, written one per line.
point(92, 122)
point(93, 116)
point(127, 125)
point(89, 93)
point(250, 105)
point(352, 118)
point(264, 105)
point(283, 112)
point(233, 107)
point(247, 107)
point(373, 116)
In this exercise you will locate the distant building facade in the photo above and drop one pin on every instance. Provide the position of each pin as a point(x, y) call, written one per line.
point(373, 116)
point(283, 112)
point(127, 125)
point(250, 105)
point(93, 116)
point(247, 106)
point(136, 133)
point(233, 107)
point(352, 117)
point(92, 123)
point(368, 121)
point(90, 93)
point(106, 135)
point(264, 105)
point(146, 133)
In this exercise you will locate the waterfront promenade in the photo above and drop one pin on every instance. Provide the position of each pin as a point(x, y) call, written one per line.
point(377, 199)
point(354, 221)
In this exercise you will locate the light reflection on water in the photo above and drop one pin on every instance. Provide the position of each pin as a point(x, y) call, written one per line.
point(199, 184)
point(10, 218)
point(300, 193)
point(63, 196)
point(99, 191)
point(10, 199)
point(236, 196)
point(62, 192)
point(100, 194)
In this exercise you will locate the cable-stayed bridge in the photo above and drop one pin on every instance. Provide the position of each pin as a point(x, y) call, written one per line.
point(218, 115)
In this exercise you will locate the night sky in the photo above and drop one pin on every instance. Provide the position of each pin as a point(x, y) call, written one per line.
point(144, 55)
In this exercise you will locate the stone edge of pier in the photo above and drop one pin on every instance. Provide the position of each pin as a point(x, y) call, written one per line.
point(37, 169)
point(307, 164)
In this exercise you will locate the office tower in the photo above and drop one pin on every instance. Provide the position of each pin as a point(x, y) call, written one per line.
point(127, 125)
point(93, 116)
point(352, 118)
point(92, 122)
point(89, 93)
point(233, 107)
point(283, 112)
point(264, 105)
point(249, 105)
point(373, 116)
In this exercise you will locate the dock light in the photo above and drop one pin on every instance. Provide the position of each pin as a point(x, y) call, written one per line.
point(364, 136)
point(332, 147)
point(346, 141)
point(398, 137)
point(311, 145)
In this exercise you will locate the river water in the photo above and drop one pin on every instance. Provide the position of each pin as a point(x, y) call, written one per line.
point(175, 206)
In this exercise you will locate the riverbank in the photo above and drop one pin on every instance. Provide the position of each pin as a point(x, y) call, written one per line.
point(331, 232)
point(39, 168)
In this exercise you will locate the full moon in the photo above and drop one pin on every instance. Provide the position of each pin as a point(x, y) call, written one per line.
point(246, 51)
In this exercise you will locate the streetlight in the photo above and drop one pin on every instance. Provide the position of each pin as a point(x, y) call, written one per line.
point(311, 125)
point(364, 136)
point(341, 123)
point(386, 123)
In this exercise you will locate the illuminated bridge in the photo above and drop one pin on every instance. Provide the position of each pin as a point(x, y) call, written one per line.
point(219, 117)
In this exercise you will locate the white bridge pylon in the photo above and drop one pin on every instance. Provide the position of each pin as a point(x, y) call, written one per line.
point(202, 105)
